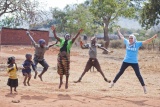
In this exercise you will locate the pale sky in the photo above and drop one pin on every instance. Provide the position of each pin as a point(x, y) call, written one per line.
point(59, 3)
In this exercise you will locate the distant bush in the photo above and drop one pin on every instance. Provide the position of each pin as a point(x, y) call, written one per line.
point(102, 42)
point(116, 44)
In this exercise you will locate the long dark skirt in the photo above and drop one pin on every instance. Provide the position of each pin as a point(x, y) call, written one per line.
point(63, 65)
point(12, 82)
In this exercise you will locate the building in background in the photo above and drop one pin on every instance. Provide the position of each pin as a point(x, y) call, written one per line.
point(14, 36)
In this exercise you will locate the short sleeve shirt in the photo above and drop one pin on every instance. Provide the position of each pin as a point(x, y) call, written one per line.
point(93, 51)
point(28, 64)
point(39, 52)
point(69, 44)
point(132, 51)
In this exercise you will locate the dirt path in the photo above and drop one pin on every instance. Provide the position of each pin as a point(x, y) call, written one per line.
point(92, 91)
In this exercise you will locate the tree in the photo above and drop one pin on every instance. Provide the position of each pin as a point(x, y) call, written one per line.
point(74, 17)
point(21, 10)
point(150, 14)
point(60, 19)
point(9, 22)
point(79, 16)
point(107, 12)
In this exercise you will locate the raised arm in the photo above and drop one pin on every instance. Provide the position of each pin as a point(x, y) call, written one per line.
point(27, 32)
point(150, 39)
point(54, 32)
point(77, 35)
point(119, 33)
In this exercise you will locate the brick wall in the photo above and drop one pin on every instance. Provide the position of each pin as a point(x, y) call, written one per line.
point(18, 36)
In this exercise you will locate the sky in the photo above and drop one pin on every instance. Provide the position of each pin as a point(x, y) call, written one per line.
point(59, 3)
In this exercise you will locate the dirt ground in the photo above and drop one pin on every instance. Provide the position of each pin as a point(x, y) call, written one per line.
point(93, 91)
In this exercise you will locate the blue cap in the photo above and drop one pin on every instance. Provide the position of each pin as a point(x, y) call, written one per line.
point(41, 41)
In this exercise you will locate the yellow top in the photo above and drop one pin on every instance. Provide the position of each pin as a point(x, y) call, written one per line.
point(12, 73)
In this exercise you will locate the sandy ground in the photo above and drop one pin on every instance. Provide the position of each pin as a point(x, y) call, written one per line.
point(92, 91)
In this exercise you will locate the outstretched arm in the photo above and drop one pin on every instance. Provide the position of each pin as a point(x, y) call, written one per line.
point(103, 48)
point(83, 46)
point(54, 32)
point(27, 32)
point(150, 39)
point(77, 35)
point(120, 34)
point(53, 44)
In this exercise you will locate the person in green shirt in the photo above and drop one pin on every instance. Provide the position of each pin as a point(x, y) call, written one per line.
point(64, 55)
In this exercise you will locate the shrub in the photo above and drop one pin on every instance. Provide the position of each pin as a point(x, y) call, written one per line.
point(116, 44)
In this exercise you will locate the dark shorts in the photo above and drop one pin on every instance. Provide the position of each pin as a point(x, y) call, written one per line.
point(92, 62)
point(12, 82)
point(43, 63)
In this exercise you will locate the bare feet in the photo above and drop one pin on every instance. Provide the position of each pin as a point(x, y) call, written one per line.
point(28, 83)
point(24, 83)
point(77, 81)
point(40, 76)
point(35, 76)
point(60, 85)
point(107, 80)
point(15, 90)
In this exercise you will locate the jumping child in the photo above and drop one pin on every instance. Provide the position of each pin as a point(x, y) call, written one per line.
point(27, 69)
point(40, 50)
point(93, 61)
point(64, 55)
point(12, 71)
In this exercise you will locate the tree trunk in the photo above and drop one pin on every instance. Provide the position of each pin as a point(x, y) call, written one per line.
point(106, 37)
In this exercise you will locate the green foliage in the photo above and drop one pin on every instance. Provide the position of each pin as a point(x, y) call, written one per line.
point(111, 9)
point(10, 22)
point(107, 12)
point(150, 14)
point(74, 17)
point(23, 10)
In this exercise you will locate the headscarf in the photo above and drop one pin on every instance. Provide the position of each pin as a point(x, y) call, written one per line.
point(41, 41)
point(134, 40)
point(67, 34)
point(10, 59)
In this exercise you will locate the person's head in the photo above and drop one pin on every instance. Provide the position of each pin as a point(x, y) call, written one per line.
point(93, 40)
point(67, 36)
point(42, 42)
point(132, 39)
point(11, 60)
point(28, 57)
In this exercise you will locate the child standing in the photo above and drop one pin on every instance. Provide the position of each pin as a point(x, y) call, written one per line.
point(27, 69)
point(12, 71)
